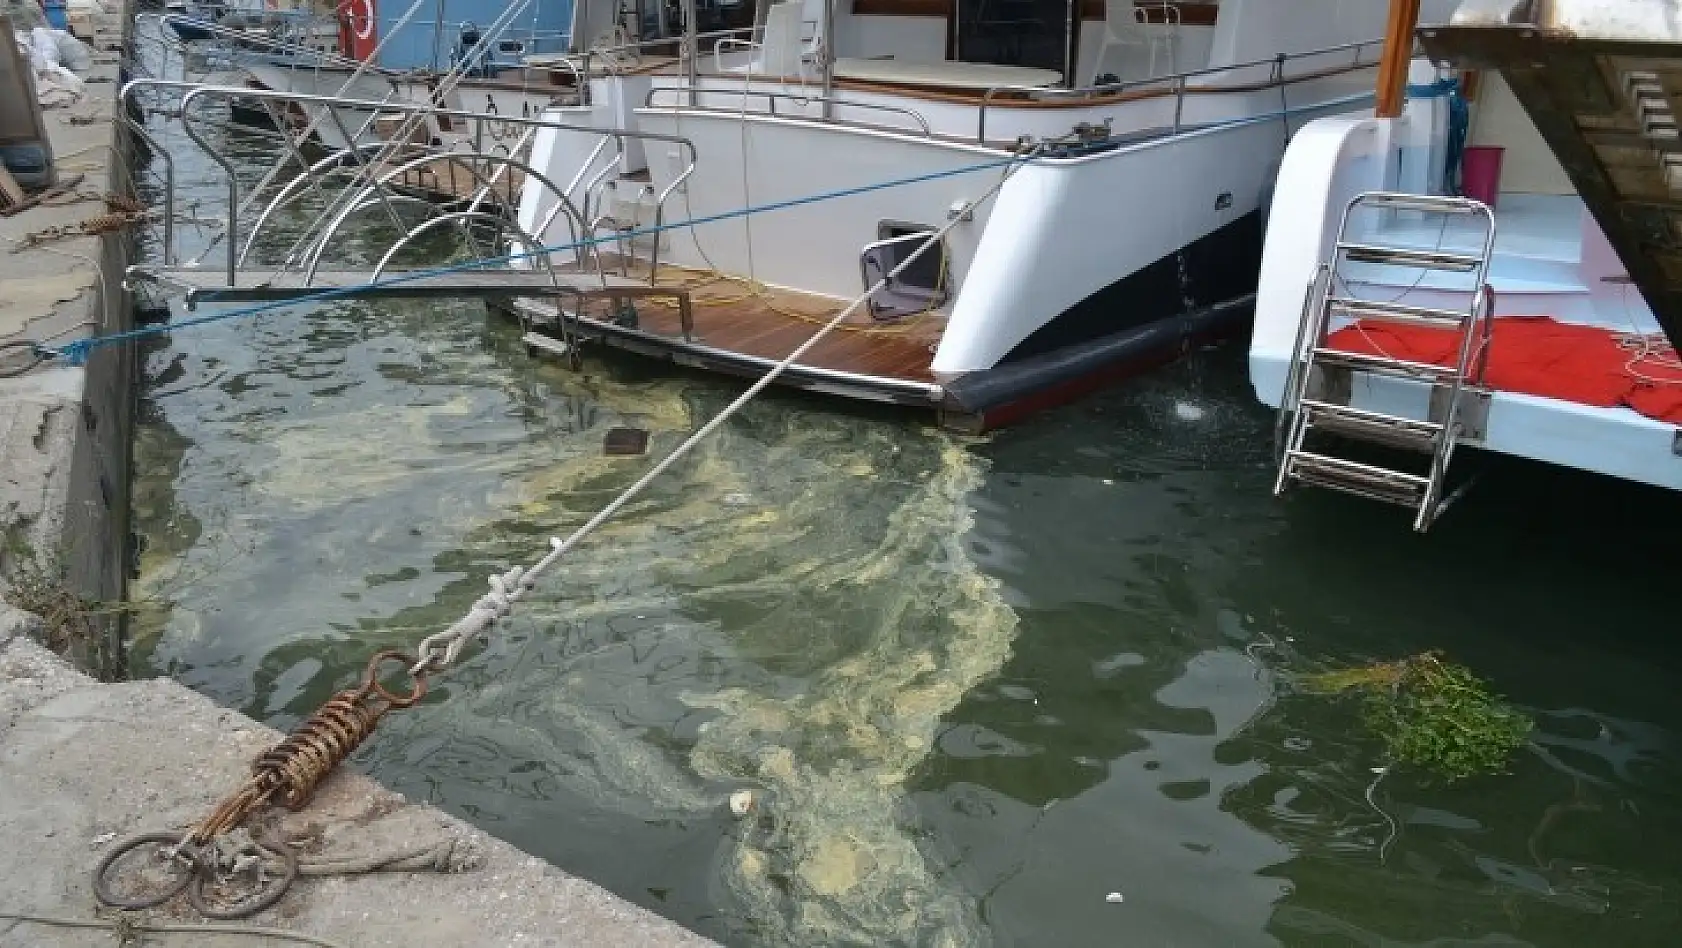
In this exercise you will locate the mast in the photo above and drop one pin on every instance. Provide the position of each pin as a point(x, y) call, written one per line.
point(1398, 51)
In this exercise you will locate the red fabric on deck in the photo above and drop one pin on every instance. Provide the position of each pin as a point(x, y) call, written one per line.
point(1536, 356)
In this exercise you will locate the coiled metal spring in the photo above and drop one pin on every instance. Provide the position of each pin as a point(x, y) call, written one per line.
point(287, 773)
point(292, 769)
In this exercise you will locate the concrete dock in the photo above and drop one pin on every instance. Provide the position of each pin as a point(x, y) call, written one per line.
point(83, 762)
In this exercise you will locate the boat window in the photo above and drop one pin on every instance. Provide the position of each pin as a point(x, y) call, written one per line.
point(921, 286)
point(1014, 33)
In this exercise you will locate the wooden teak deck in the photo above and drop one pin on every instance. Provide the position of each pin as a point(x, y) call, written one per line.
point(745, 330)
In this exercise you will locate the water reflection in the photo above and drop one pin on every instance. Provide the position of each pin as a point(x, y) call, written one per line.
point(1145, 738)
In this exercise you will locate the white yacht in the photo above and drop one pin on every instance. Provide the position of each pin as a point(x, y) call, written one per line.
point(1132, 233)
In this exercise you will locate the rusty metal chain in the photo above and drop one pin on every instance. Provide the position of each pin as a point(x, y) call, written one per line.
point(288, 774)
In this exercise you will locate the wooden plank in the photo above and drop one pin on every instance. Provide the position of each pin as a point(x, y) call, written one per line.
point(10, 190)
point(1398, 53)
point(754, 328)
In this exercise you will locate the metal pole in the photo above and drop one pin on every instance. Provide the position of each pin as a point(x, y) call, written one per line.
point(1071, 11)
point(826, 50)
point(691, 48)
point(437, 38)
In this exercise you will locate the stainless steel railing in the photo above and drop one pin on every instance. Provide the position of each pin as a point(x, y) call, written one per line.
point(1178, 84)
point(773, 97)
point(374, 189)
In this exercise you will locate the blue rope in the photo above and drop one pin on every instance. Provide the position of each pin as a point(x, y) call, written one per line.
point(1433, 90)
point(1459, 118)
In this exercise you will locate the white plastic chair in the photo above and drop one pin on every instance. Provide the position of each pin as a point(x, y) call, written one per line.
point(780, 50)
point(1126, 25)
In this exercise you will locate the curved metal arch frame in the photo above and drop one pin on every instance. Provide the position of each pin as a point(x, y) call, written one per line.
point(481, 194)
point(333, 164)
point(323, 168)
point(534, 250)
point(532, 246)
point(314, 260)
point(381, 200)
point(503, 214)
point(361, 201)
point(197, 90)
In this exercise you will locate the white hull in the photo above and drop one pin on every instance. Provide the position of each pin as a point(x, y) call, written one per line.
point(1134, 233)
point(1059, 232)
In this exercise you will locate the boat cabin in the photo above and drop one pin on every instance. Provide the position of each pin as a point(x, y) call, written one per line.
point(946, 45)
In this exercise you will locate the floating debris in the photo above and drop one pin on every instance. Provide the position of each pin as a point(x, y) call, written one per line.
point(1188, 411)
point(621, 442)
point(743, 802)
point(1432, 715)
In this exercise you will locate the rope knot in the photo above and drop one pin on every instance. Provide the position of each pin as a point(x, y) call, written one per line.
point(74, 353)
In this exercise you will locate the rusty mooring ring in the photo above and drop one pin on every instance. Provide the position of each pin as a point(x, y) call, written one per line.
point(371, 681)
point(101, 885)
point(276, 889)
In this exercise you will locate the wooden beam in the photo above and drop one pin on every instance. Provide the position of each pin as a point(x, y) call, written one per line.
point(1398, 52)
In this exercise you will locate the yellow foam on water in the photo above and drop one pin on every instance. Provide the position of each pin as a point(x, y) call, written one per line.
point(799, 517)
point(850, 871)
point(812, 563)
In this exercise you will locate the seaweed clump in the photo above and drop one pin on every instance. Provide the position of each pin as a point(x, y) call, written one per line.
point(1432, 715)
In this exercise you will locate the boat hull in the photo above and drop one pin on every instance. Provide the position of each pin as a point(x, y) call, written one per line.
point(1079, 268)
point(190, 29)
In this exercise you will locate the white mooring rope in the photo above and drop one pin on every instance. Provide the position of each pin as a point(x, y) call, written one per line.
point(440, 650)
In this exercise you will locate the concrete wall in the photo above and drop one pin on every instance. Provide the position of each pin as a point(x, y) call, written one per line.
point(65, 431)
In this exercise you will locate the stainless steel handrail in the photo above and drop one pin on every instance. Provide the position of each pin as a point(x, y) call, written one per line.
point(772, 97)
point(1178, 82)
point(199, 92)
point(544, 61)
point(663, 41)
point(274, 45)
point(370, 192)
